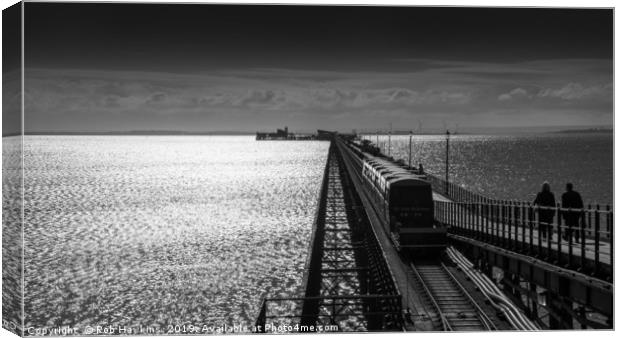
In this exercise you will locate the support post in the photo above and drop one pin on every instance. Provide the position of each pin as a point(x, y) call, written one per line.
point(534, 302)
point(410, 137)
point(597, 239)
point(447, 159)
point(560, 318)
point(390, 141)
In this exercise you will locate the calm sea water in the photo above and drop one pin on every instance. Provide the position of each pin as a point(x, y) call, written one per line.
point(515, 166)
point(158, 231)
point(11, 232)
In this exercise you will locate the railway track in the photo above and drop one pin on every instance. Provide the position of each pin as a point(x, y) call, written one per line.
point(455, 310)
point(448, 304)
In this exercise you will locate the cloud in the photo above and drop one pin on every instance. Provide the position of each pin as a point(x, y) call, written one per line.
point(257, 97)
point(111, 101)
point(384, 98)
point(516, 93)
point(572, 91)
point(455, 91)
point(577, 91)
point(156, 98)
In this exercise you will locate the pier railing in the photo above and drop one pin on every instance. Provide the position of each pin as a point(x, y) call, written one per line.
point(540, 232)
point(456, 192)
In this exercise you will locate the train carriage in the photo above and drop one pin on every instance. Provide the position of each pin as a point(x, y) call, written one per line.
point(404, 202)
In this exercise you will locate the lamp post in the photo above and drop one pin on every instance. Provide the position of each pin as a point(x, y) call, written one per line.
point(390, 141)
point(447, 159)
point(410, 136)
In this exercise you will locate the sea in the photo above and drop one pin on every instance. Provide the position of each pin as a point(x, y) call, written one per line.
point(161, 231)
point(513, 167)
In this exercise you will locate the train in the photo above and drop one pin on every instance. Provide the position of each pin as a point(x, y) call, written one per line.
point(401, 197)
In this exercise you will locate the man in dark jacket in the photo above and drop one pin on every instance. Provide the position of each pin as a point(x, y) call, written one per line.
point(572, 200)
point(545, 199)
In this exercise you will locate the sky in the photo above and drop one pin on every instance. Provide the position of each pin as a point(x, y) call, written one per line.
point(121, 67)
point(11, 71)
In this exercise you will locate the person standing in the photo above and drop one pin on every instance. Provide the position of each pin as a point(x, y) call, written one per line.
point(546, 200)
point(572, 200)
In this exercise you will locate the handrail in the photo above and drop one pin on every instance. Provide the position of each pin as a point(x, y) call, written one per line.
point(522, 229)
point(587, 217)
point(459, 194)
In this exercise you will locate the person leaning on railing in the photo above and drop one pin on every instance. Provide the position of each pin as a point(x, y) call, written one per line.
point(545, 199)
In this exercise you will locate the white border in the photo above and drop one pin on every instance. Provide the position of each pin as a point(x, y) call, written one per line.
point(484, 3)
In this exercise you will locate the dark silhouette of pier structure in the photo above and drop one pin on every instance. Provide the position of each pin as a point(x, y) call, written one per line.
point(280, 134)
point(356, 280)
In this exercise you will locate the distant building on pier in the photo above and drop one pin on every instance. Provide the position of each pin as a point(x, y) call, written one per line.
point(280, 134)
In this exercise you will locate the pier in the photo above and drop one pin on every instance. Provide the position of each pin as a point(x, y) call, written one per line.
point(497, 272)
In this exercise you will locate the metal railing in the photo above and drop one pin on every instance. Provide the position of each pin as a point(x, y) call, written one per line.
point(546, 233)
point(456, 192)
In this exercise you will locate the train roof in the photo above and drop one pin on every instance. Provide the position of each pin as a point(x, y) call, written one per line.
point(394, 173)
point(377, 163)
point(409, 181)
